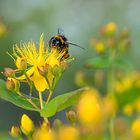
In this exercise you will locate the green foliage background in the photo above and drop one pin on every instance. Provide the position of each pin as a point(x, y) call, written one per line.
point(80, 19)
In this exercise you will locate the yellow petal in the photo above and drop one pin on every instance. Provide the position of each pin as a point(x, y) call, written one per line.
point(29, 73)
point(52, 60)
point(39, 81)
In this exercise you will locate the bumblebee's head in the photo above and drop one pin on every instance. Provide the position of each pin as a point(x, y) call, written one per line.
point(58, 41)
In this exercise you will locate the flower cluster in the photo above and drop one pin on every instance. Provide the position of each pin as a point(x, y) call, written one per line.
point(89, 121)
point(110, 39)
point(38, 66)
point(109, 110)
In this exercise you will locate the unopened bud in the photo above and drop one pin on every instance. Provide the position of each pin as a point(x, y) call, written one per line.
point(57, 70)
point(99, 77)
point(57, 124)
point(71, 116)
point(100, 47)
point(27, 125)
point(80, 78)
point(111, 42)
point(8, 72)
point(10, 84)
point(109, 29)
point(21, 64)
point(15, 131)
point(63, 65)
point(43, 70)
point(125, 33)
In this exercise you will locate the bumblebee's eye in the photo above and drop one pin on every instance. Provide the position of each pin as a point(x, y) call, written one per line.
point(56, 42)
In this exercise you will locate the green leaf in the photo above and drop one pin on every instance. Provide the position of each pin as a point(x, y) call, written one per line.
point(14, 98)
point(98, 62)
point(61, 102)
point(122, 63)
point(128, 96)
point(104, 62)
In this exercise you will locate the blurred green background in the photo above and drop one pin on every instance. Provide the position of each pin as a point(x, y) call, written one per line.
point(80, 20)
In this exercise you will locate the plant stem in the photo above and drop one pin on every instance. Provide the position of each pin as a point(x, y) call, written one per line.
point(49, 97)
point(41, 100)
point(29, 82)
point(33, 104)
point(110, 90)
point(111, 77)
point(29, 138)
point(29, 100)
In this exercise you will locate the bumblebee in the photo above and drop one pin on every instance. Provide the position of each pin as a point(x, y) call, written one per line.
point(60, 42)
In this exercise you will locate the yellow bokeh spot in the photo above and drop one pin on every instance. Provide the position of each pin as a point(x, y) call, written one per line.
point(68, 133)
point(110, 106)
point(27, 125)
point(100, 47)
point(43, 134)
point(3, 29)
point(89, 109)
point(123, 85)
point(111, 27)
point(135, 128)
point(128, 109)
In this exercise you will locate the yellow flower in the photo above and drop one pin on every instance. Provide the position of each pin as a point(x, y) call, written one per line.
point(27, 125)
point(100, 47)
point(14, 132)
point(43, 133)
point(124, 85)
point(135, 128)
point(28, 54)
point(89, 109)
point(68, 133)
point(110, 28)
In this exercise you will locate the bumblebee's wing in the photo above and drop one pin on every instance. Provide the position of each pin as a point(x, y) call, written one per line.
point(60, 31)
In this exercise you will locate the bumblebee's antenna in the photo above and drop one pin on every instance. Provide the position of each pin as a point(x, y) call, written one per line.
point(76, 45)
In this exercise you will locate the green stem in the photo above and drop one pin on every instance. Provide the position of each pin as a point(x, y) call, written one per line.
point(29, 82)
point(29, 100)
point(33, 104)
point(111, 128)
point(111, 77)
point(110, 90)
point(41, 100)
point(29, 138)
point(49, 97)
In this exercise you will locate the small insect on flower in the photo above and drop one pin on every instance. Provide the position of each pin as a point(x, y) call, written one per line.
point(61, 44)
